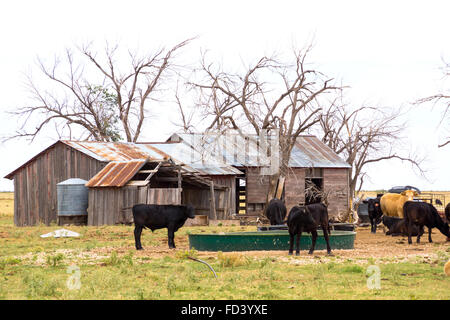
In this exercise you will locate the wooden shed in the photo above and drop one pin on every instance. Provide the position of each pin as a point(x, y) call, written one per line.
point(120, 175)
point(311, 163)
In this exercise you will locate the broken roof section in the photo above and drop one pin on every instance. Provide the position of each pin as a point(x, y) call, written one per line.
point(122, 152)
point(244, 151)
point(180, 153)
point(116, 173)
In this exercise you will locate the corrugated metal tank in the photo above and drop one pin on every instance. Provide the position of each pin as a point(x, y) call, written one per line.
point(72, 197)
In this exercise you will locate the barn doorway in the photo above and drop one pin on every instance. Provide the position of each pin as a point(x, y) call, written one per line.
point(313, 185)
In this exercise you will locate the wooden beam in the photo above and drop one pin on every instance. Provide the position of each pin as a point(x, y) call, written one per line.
point(213, 201)
point(179, 176)
point(280, 187)
point(171, 179)
point(147, 171)
point(138, 183)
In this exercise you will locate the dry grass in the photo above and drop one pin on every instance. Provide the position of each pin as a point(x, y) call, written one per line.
point(6, 204)
point(36, 268)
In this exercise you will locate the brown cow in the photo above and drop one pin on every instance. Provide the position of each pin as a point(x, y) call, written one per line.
point(392, 203)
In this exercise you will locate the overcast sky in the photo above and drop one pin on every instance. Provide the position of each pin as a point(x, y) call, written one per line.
point(388, 52)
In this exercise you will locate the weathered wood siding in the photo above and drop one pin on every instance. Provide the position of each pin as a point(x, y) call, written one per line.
point(229, 201)
point(200, 200)
point(257, 187)
point(336, 180)
point(294, 185)
point(35, 198)
point(113, 205)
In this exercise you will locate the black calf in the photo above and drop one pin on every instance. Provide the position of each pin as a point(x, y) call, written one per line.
point(308, 218)
point(423, 214)
point(275, 211)
point(154, 217)
point(375, 213)
point(397, 227)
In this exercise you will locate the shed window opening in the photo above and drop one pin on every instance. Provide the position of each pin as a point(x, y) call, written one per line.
point(313, 185)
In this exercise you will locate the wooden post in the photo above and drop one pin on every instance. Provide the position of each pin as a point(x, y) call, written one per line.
point(179, 177)
point(212, 200)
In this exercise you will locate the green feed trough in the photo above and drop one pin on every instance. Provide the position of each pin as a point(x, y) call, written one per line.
point(267, 240)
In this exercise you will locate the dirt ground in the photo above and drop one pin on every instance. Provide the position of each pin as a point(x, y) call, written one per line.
point(367, 246)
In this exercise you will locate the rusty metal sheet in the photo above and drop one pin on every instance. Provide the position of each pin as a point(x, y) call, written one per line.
point(116, 173)
point(112, 151)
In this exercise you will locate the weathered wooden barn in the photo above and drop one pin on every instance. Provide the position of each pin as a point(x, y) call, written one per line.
point(120, 175)
point(311, 162)
point(219, 175)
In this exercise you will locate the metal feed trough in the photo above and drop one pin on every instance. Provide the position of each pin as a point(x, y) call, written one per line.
point(267, 240)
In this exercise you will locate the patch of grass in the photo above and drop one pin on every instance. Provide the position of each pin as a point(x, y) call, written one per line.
point(232, 259)
point(55, 260)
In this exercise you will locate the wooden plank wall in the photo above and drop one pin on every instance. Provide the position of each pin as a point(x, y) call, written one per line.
point(109, 206)
point(229, 202)
point(200, 200)
point(257, 187)
point(35, 194)
point(294, 184)
point(336, 180)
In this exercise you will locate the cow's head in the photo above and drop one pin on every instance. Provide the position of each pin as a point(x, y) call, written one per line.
point(190, 213)
point(410, 194)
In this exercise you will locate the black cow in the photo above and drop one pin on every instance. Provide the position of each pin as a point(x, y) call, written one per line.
point(447, 212)
point(308, 218)
point(397, 227)
point(447, 216)
point(275, 211)
point(375, 213)
point(423, 214)
point(154, 217)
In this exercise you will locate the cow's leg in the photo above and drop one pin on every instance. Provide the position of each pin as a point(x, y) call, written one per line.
point(291, 243)
point(373, 225)
point(171, 237)
point(418, 236)
point(297, 245)
point(325, 235)
point(137, 237)
point(314, 238)
point(409, 227)
point(429, 235)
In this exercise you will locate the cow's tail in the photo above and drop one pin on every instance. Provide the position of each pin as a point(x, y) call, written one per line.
point(280, 218)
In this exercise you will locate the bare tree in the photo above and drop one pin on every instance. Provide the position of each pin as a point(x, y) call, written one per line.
point(266, 96)
point(444, 98)
point(362, 136)
point(104, 100)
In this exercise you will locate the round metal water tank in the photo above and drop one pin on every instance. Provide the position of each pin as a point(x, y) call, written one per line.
point(72, 197)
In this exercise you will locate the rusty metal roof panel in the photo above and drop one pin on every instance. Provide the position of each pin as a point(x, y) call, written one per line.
point(116, 173)
point(113, 151)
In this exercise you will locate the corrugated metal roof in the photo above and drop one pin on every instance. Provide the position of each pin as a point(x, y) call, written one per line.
point(309, 151)
point(205, 164)
point(115, 151)
point(242, 151)
point(116, 173)
point(178, 152)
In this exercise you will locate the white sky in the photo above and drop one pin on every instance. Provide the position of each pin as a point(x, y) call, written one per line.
point(388, 52)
